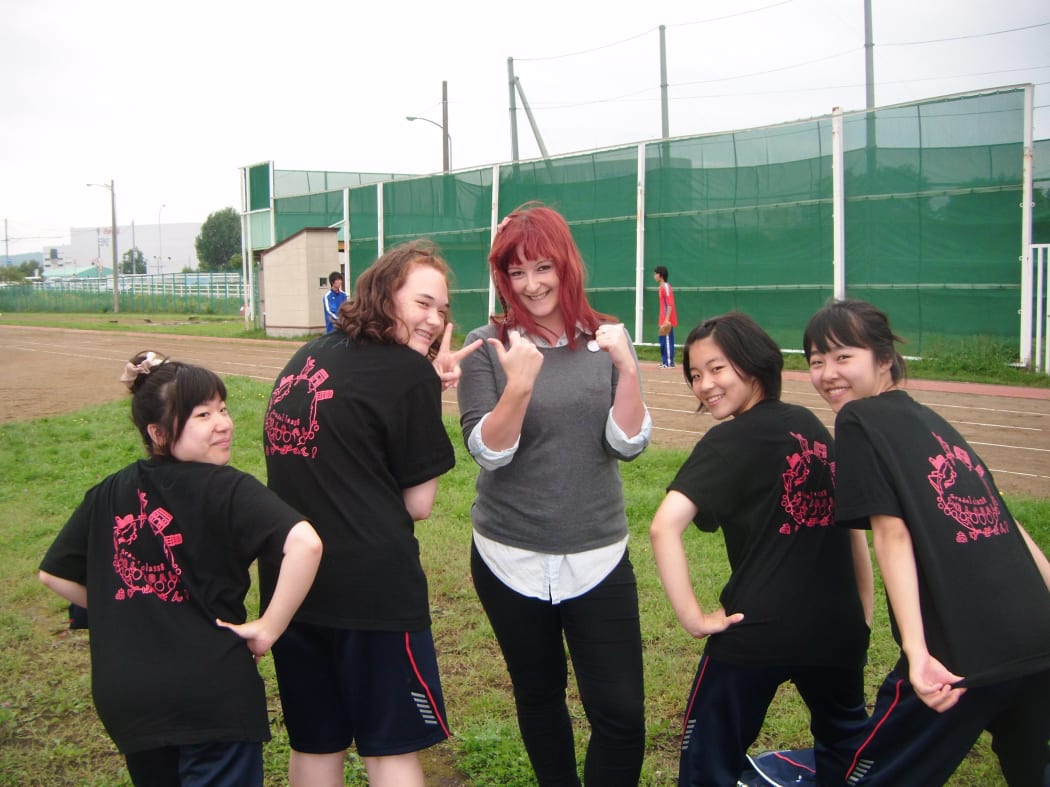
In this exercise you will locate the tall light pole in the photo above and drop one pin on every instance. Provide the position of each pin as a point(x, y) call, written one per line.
point(160, 241)
point(446, 138)
point(113, 217)
point(446, 148)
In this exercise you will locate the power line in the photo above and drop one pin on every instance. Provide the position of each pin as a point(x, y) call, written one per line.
point(584, 51)
point(773, 70)
point(640, 96)
point(730, 16)
point(644, 94)
point(647, 32)
point(676, 85)
point(697, 82)
point(861, 84)
point(963, 38)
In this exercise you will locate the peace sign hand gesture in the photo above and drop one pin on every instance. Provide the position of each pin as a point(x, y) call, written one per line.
point(446, 363)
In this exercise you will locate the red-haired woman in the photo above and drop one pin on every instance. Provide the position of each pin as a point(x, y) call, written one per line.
point(550, 405)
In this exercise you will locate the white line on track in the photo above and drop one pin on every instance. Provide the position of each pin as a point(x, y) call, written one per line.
point(1011, 447)
point(1000, 426)
point(118, 358)
point(937, 405)
point(995, 472)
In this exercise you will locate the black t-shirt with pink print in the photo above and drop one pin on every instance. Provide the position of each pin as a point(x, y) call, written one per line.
point(349, 426)
point(985, 606)
point(766, 478)
point(164, 548)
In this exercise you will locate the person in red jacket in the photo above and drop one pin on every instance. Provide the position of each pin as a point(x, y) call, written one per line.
point(668, 318)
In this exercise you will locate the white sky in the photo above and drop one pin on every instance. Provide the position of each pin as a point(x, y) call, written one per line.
point(170, 100)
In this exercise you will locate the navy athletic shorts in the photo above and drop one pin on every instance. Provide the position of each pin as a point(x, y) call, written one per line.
point(378, 689)
point(197, 764)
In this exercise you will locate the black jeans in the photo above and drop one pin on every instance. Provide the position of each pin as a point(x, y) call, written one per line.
point(604, 637)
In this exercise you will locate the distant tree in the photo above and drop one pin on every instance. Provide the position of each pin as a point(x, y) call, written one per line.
point(20, 271)
point(12, 273)
point(133, 262)
point(219, 241)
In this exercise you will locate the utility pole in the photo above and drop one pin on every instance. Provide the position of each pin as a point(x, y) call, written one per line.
point(869, 59)
point(512, 83)
point(445, 142)
point(116, 267)
point(665, 125)
point(869, 91)
point(113, 220)
point(160, 241)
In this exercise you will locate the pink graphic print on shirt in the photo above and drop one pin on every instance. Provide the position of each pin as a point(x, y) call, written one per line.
point(963, 493)
point(805, 506)
point(156, 577)
point(287, 433)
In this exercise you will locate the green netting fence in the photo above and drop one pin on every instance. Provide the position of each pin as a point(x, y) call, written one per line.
point(745, 220)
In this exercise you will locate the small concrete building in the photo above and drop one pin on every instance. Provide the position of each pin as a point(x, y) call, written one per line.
point(293, 281)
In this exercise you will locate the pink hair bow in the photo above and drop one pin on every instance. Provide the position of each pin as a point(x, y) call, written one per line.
point(145, 366)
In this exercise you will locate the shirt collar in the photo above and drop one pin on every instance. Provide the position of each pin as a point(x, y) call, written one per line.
point(541, 341)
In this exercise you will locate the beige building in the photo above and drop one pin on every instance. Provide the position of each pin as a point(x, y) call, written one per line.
point(293, 279)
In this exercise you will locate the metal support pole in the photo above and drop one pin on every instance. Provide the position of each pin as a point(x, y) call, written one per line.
point(639, 250)
point(494, 219)
point(665, 127)
point(869, 90)
point(113, 218)
point(532, 120)
point(116, 267)
point(446, 153)
point(513, 110)
point(160, 241)
point(869, 59)
point(1027, 203)
point(838, 206)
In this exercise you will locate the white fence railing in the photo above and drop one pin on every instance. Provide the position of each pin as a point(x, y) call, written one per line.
point(189, 284)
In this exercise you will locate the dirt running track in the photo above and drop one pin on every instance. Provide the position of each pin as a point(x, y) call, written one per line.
point(45, 371)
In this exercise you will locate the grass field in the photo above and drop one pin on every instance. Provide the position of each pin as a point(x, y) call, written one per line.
point(49, 733)
point(185, 324)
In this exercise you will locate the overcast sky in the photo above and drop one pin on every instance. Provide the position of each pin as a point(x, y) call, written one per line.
point(169, 100)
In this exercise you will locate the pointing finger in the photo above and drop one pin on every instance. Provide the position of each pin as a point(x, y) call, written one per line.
point(466, 350)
